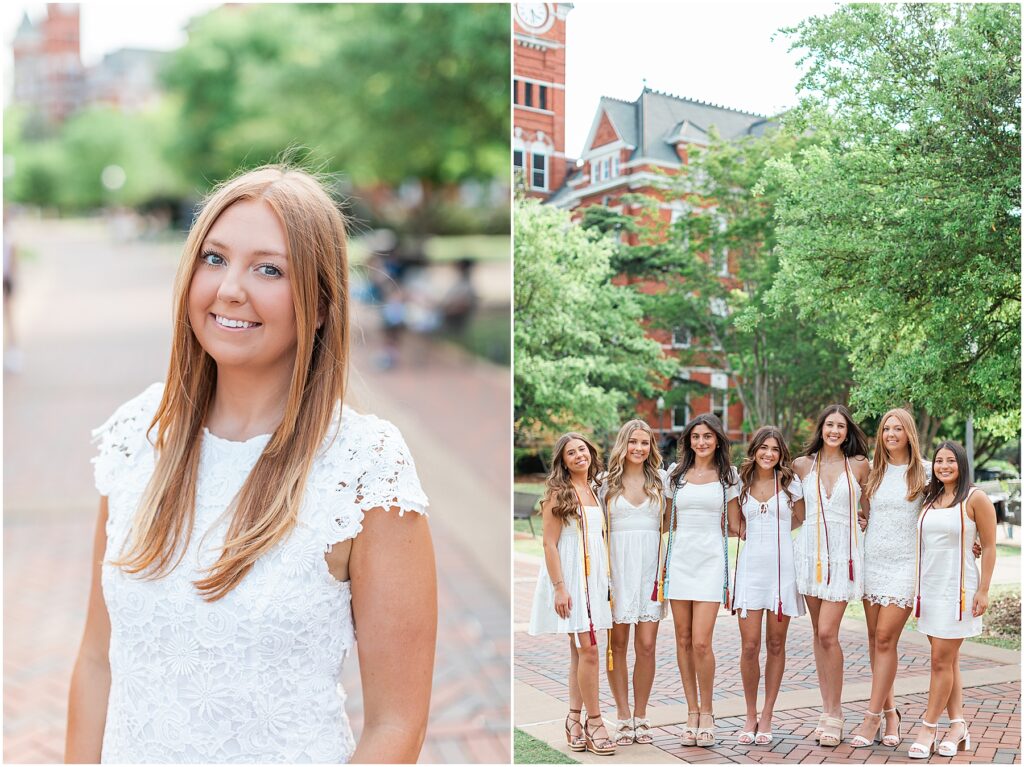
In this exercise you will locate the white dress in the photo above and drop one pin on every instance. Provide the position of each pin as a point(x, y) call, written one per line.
point(635, 538)
point(943, 552)
point(252, 677)
point(697, 567)
point(829, 527)
point(890, 542)
point(543, 618)
point(764, 563)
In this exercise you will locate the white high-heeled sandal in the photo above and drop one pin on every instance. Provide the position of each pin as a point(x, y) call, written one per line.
point(859, 741)
point(950, 747)
point(921, 750)
point(893, 741)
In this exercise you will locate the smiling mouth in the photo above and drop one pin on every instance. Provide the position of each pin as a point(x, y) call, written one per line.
point(230, 324)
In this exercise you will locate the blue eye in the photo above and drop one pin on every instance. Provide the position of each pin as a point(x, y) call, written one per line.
point(213, 259)
point(269, 270)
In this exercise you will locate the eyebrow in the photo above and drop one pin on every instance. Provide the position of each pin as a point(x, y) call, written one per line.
point(260, 252)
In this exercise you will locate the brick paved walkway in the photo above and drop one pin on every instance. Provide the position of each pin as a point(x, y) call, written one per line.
point(74, 302)
point(991, 695)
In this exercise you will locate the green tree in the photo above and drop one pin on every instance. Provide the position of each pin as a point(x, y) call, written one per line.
point(900, 233)
point(581, 355)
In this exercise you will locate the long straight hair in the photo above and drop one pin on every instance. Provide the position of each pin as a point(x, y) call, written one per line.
point(267, 505)
point(558, 486)
point(749, 465)
point(935, 488)
point(881, 460)
point(653, 487)
point(686, 457)
point(855, 443)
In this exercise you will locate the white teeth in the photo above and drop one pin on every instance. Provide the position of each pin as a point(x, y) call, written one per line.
point(228, 323)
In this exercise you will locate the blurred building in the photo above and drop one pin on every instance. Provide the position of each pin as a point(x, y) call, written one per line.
point(51, 81)
point(630, 146)
point(538, 143)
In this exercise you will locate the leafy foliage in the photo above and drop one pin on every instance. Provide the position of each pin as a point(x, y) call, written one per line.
point(580, 350)
point(899, 233)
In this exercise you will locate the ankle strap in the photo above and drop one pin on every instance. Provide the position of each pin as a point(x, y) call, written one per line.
point(872, 713)
point(958, 721)
point(575, 710)
point(929, 724)
point(595, 716)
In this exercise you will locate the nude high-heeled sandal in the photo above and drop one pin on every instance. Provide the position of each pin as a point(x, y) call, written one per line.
point(893, 740)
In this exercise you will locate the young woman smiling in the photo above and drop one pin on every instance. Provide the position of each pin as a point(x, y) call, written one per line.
point(829, 550)
point(951, 595)
point(572, 594)
point(702, 514)
point(248, 519)
point(633, 494)
point(895, 494)
point(764, 592)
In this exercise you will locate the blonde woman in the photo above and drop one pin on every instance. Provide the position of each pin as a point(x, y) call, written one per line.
point(572, 591)
point(633, 495)
point(829, 549)
point(894, 493)
point(248, 519)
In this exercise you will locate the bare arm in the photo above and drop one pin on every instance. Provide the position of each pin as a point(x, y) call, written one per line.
point(551, 528)
point(735, 518)
point(984, 514)
point(394, 603)
point(90, 679)
point(798, 515)
point(861, 469)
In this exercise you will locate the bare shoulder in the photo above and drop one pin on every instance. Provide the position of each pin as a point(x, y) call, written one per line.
point(802, 465)
point(861, 467)
point(978, 501)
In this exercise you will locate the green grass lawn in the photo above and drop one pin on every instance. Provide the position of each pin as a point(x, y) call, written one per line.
point(530, 750)
point(1004, 550)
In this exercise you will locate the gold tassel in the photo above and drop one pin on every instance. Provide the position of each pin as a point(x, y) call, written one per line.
point(817, 571)
point(586, 566)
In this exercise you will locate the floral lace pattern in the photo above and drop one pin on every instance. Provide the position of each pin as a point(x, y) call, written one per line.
point(252, 677)
point(890, 541)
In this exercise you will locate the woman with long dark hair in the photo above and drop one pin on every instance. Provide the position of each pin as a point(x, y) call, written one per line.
point(633, 494)
point(829, 550)
point(572, 594)
point(951, 596)
point(764, 592)
point(894, 495)
point(702, 514)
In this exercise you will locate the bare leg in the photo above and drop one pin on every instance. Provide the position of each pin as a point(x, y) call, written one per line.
point(774, 667)
point(828, 655)
point(955, 704)
point(644, 644)
point(587, 676)
point(575, 696)
point(750, 667)
point(682, 618)
point(704, 616)
point(884, 629)
point(618, 677)
point(945, 654)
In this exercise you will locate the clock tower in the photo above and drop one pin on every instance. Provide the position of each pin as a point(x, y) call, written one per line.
point(538, 141)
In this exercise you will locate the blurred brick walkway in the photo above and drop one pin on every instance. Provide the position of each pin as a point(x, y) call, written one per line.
point(93, 320)
point(991, 695)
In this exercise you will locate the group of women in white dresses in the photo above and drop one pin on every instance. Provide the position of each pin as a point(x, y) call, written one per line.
point(623, 544)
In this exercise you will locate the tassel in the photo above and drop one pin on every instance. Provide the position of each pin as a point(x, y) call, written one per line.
point(593, 636)
point(851, 569)
point(586, 565)
point(778, 614)
point(917, 609)
point(963, 603)
point(727, 607)
point(655, 596)
point(611, 662)
point(817, 571)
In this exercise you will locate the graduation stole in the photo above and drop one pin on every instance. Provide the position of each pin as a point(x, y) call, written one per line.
point(581, 523)
point(920, 551)
point(820, 521)
point(778, 549)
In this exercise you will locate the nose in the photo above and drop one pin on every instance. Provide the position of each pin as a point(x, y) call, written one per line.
point(231, 290)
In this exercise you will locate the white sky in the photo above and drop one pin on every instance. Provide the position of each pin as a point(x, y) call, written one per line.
point(721, 52)
point(109, 26)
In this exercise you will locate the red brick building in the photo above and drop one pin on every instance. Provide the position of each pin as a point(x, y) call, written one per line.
point(538, 142)
point(629, 145)
point(48, 71)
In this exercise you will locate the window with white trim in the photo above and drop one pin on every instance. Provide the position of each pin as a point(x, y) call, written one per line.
point(682, 338)
point(539, 174)
point(720, 405)
point(517, 161)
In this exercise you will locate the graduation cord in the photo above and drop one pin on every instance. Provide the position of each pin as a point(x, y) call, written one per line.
point(725, 548)
point(582, 525)
point(920, 552)
point(778, 552)
point(822, 521)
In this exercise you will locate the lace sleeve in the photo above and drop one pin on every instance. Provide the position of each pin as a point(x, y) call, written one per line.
point(122, 437)
point(390, 479)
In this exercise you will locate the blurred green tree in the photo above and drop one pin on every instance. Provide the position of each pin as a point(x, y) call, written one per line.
point(900, 233)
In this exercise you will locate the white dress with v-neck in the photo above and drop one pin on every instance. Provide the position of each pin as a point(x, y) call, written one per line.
point(635, 534)
point(827, 536)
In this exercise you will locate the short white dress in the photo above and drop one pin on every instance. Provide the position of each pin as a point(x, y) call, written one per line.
point(764, 564)
point(697, 567)
point(945, 554)
point(635, 539)
point(890, 542)
point(254, 676)
point(827, 533)
point(543, 618)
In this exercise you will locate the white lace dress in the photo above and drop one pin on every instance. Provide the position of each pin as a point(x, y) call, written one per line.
point(828, 537)
point(890, 542)
point(636, 533)
point(252, 677)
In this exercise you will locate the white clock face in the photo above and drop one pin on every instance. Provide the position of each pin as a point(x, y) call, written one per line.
point(532, 14)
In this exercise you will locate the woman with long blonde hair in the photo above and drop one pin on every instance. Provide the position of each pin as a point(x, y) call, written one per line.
point(248, 519)
point(572, 594)
point(633, 496)
point(894, 494)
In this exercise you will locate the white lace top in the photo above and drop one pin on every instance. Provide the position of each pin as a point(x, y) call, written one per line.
point(252, 677)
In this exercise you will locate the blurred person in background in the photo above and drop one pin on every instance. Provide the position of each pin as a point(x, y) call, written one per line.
point(12, 354)
point(249, 520)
